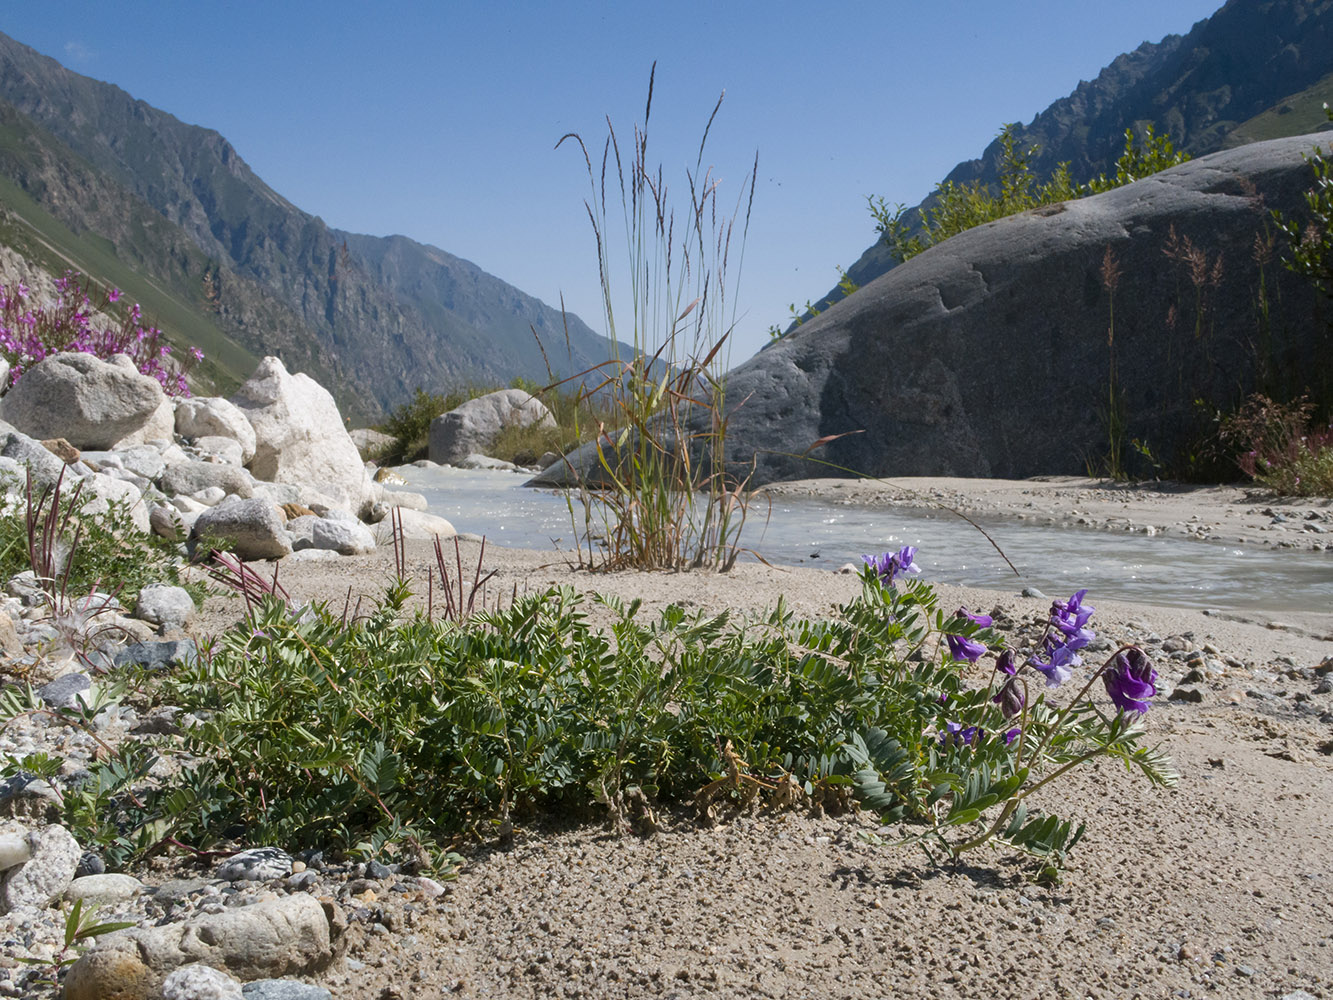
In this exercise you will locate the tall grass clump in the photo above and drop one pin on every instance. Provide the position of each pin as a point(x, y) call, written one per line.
point(661, 498)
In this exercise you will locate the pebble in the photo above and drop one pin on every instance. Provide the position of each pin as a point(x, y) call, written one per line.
point(283, 989)
point(259, 864)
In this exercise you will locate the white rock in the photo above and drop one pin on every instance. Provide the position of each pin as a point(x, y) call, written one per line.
point(103, 889)
point(213, 416)
point(415, 525)
point(299, 435)
point(222, 449)
point(44, 876)
point(14, 850)
point(89, 402)
point(474, 425)
point(164, 604)
point(161, 426)
point(254, 529)
point(350, 538)
point(200, 982)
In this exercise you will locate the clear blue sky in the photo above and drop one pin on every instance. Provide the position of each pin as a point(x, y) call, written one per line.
point(438, 120)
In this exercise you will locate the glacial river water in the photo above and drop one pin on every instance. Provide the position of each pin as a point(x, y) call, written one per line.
point(1161, 569)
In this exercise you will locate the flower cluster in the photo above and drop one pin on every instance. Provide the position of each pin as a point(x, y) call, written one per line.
point(963, 648)
point(1066, 633)
point(30, 333)
point(890, 564)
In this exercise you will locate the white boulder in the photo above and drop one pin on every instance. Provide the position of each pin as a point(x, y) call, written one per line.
point(474, 426)
point(89, 402)
point(299, 435)
point(213, 416)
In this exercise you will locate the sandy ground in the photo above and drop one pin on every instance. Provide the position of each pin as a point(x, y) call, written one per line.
point(1222, 886)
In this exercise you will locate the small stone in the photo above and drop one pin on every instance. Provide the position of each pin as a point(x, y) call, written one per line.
point(1033, 592)
point(283, 989)
point(200, 982)
point(89, 864)
point(158, 655)
point(41, 879)
point(64, 691)
point(377, 871)
point(164, 604)
point(106, 888)
point(25, 797)
point(258, 864)
point(1191, 696)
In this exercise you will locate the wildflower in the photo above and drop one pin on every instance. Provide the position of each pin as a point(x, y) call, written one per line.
point(956, 734)
point(1012, 735)
point(113, 295)
point(888, 565)
point(963, 648)
point(1071, 618)
point(1059, 659)
point(1010, 698)
point(985, 621)
point(1130, 680)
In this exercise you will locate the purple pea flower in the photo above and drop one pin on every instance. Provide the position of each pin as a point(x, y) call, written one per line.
point(1010, 698)
point(1071, 618)
point(890, 564)
point(1012, 735)
point(1056, 667)
point(956, 734)
point(963, 648)
point(1130, 680)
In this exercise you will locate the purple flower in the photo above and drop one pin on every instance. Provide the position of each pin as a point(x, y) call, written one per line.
point(956, 734)
point(1011, 735)
point(888, 565)
point(1005, 663)
point(962, 648)
point(1071, 618)
point(985, 621)
point(113, 295)
point(1130, 680)
point(1059, 660)
point(1010, 698)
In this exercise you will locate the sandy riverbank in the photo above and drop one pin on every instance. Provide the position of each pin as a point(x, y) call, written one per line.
point(1220, 886)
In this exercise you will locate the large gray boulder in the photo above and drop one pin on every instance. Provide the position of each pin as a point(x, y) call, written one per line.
point(473, 426)
point(300, 438)
point(186, 478)
point(252, 529)
point(89, 402)
point(987, 355)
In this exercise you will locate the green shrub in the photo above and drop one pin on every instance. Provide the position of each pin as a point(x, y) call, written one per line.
point(959, 207)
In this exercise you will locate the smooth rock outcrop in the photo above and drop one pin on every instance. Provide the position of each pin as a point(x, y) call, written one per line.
point(987, 355)
point(252, 529)
point(287, 935)
point(473, 426)
point(213, 416)
point(90, 402)
point(299, 436)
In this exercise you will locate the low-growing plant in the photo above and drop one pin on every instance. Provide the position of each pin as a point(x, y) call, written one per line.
point(668, 500)
point(29, 333)
point(388, 731)
point(1279, 447)
point(76, 546)
point(81, 928)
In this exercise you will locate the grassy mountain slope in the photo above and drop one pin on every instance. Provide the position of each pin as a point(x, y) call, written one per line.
point(377, 317)
point(1209, 89)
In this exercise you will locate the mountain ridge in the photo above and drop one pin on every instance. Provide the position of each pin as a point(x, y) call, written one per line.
point(371, 305)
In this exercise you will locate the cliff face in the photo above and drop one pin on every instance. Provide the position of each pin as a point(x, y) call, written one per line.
point(376, 317)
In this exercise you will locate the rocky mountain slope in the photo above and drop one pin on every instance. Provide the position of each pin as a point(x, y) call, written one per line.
point(373, 317)
point(1204, 89)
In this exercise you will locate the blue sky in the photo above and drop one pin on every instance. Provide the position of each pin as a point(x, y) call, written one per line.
point(439, 120)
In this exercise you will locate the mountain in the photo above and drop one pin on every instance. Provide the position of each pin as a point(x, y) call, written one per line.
point(1222, 84)
point(97, 177)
